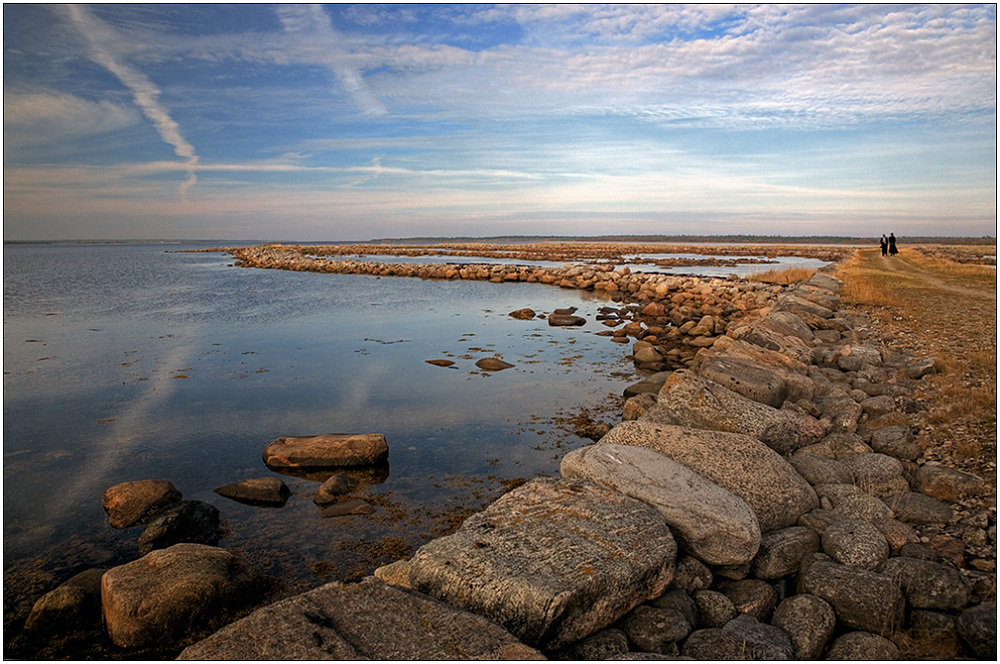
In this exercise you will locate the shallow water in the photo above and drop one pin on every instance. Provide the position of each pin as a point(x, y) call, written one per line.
point(126, 362)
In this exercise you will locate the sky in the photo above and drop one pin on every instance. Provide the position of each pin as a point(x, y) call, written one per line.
point(355, 122)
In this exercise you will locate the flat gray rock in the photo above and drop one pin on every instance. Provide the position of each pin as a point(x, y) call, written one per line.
point(330, 450)
point(752, 380)
point(552, 561)
point(366, 620)
point(738, 463)
point(711, 523)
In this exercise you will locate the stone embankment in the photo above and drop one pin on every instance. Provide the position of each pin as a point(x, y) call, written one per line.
point(761, 503)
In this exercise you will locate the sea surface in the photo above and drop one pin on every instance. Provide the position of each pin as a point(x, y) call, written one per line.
point(126, 362)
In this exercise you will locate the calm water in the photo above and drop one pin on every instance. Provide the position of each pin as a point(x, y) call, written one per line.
point(125, 362)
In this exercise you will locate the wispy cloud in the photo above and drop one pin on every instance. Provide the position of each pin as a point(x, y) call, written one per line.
point(100, 39)
point(314, 36)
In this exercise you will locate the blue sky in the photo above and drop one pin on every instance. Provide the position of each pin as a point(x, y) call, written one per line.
point(352, 122)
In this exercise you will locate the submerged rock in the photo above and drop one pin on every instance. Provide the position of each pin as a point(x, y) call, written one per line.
point(268, 491)
point(187, 521)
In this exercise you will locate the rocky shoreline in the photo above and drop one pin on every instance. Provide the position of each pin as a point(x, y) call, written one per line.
point(761, 498)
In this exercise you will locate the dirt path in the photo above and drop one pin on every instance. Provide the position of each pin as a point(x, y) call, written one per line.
point(901, 265)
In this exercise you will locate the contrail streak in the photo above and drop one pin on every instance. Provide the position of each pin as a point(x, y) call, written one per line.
point(144, 92)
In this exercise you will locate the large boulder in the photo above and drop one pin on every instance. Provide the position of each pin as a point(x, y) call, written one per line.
point(818, 469)
point(744, 637)
point(648, 385)
point(710, 522)
point(896, 441)
point(853, 501)
point(130, 503)
point(947, 483)
point(752, 380)
point(862, 599)
point(910, 507)
point(331, 450)
point(552, 561)
point(731, 347)
point(738, 463)
point(690, 400)
point(859, 356)
point(855, 646)
point(170, 594)
point(370, 620)
point(824, 281)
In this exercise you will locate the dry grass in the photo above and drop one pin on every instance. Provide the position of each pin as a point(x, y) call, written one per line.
point(791, 275)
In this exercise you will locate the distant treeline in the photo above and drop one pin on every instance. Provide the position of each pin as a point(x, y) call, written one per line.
point(708, 239)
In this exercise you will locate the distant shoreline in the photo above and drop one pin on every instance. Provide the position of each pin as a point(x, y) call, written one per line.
point(665, 239)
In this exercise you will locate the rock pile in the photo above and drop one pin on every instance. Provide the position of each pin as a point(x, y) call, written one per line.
point(762, 502)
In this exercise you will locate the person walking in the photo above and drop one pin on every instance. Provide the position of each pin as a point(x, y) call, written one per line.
point(892, 245)
point(884, 244)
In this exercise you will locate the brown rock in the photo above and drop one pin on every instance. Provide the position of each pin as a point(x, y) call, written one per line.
point(173, 593)
point(493, 364)
point(130, 503)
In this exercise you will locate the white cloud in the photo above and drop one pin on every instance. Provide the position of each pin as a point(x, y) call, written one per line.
point(313, 38)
